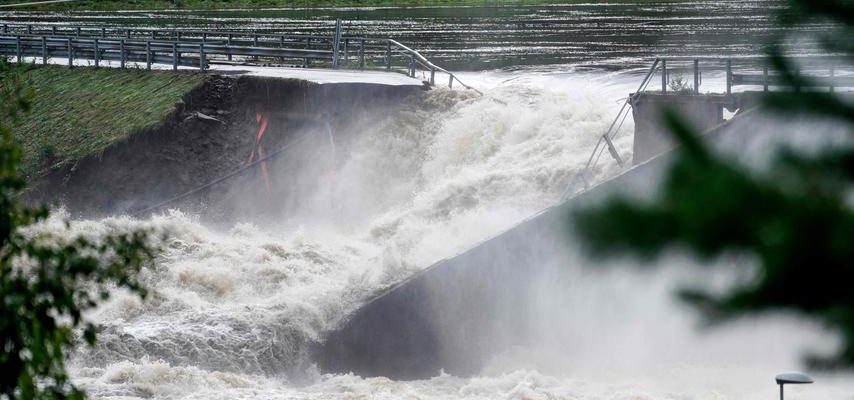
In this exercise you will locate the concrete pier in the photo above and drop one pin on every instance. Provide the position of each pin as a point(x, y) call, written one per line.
point(703, 112)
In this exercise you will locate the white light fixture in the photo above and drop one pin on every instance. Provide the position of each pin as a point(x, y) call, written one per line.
point(795, 378)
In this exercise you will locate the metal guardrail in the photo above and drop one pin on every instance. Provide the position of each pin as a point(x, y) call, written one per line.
point(816, 71)
point(188, 47)
point(744, 71)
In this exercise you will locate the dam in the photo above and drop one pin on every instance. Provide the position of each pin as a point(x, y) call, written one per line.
point(359, 233)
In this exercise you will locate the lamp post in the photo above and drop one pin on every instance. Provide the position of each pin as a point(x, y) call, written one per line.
point(795, 378)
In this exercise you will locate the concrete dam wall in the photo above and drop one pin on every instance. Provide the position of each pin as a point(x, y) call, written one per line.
point(462, 311)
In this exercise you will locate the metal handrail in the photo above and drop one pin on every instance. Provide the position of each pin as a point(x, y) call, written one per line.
point(607, 136)
point(432, 67)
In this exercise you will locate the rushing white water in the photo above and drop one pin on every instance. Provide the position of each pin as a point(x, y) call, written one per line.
point(233, 310)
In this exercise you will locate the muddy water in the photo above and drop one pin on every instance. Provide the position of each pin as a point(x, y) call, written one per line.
point(602, 34)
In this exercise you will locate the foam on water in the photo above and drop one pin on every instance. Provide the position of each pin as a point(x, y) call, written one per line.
point(233, 311)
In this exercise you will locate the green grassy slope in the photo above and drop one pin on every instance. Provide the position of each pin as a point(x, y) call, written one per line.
point(78, 112)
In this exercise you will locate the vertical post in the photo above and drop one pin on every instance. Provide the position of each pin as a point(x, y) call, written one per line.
point(781, 391)
point(18, 48)
point(97, 58)
point(29, 29)
point(346, 52)
point(5, 28)
point(127, 33)
point(44, 50)
point(70, 54)
point(663, 76)
point(53, 30)
point(122, 54)
point(148, 55)
point(832, 76)
point(765, 78)
point(432, 76)
point(307, 47)
point(696, 76)
point(450, 81)
point(335, 43)
point(282, 41)
point(202, 57)
point(361, 53)
point(728, 76)
point(255, 40)
point(153, 34)
point(204, 37)
point(228, 43)
point(78, 32)
point(388, 55)
point(174, 56)
point(103, 32)
point(412, 65)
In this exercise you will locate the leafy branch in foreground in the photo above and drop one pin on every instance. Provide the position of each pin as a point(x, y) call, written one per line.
point(797, 219)
point(47, 281)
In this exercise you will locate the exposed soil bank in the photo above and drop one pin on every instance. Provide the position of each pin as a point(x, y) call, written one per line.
point(211, 134)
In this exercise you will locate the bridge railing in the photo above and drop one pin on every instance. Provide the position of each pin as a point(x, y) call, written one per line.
point(829, 72)
point(818, 72)
point(186, 48)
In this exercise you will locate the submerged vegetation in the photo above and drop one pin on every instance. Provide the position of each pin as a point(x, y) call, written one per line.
point(81, 111)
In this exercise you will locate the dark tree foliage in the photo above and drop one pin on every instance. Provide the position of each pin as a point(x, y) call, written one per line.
point(48, 282)
point(797, 219)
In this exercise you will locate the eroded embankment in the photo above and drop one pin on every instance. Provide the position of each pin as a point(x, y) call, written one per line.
point(211, 134)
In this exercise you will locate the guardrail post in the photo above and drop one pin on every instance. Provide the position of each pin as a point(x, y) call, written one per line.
point(174, 56)
point(103, 32)
point(122, 54)
point(148, 55)
point(255, 40)
point(335, 43)
point(728, 76)
point(797, 80)
point(306, 61)
point(18, 49)
point(78, 32)
point(70, 54)
point(765, 78)
point(432, 76)
point(97, 55)
point(361, 53)
point(202, 58)
point(228, 44)
point(346, 52)
point(696, 76)
point(387, 55)
point(44, 50)
point(450, 81)
point(29, 29)
point(282, 41)
point(5, 28)
point(663, 76)
point(127, 33)
point(53, 29)
point(412, 65)
point(153, 34)
point(179, 36)
point(832, 76)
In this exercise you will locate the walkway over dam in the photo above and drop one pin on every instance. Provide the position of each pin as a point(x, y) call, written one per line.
point(459, 313)
point(204, 49)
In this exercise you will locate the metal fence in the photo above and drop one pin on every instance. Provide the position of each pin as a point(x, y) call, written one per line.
point(194, 48)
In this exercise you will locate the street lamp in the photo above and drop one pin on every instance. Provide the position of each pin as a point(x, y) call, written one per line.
point(796, 378)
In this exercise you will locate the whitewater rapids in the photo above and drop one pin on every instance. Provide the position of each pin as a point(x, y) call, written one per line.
point(233, 311)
